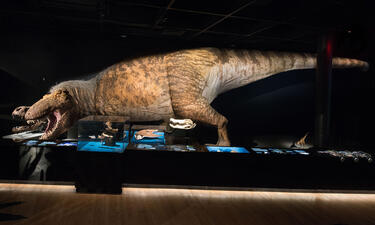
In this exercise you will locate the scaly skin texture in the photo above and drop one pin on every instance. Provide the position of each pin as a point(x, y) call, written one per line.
point(180, 84)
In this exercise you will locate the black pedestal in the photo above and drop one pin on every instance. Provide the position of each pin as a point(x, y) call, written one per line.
point(98, 172)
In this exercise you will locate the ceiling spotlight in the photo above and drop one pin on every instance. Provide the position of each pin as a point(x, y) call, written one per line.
point(123, 35)
point(349, 31)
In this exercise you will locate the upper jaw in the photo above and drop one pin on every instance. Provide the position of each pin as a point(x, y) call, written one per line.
point(32, 114)
point(41, 108)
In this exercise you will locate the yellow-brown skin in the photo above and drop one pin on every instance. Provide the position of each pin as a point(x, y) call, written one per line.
point(180, 84)
point(137, 88)
point(161, 87)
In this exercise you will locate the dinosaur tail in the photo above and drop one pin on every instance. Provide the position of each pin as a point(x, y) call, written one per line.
point(349, 63)
point(242, 67)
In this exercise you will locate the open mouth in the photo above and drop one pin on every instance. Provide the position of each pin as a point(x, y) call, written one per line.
point(53, 120)
point(49, 122)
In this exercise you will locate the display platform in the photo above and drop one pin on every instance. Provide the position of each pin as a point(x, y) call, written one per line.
point(110, 152)
point(185, 165)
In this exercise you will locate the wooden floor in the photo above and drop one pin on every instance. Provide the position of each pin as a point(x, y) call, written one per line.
point(56, 204)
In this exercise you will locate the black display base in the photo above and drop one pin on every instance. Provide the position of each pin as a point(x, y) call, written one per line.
point(98, 172)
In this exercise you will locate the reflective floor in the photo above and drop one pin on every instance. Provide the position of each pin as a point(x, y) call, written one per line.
point(59, 204)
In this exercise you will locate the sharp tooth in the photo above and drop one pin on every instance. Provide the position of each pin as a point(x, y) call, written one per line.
point(31, 122)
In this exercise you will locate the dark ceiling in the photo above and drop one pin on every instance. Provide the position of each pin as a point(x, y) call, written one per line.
point(280, 24)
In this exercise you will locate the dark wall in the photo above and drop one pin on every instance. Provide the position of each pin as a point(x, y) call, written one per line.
point(42, 59)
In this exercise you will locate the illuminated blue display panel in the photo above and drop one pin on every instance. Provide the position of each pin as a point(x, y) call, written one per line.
point(49, 143)
point(227, 149)
point(103, 134)
point(261, 151)
point(146, 140)
point(161, 147)
point(96, 146)
point(290, 152)
point(276, 151)
point(301, 152)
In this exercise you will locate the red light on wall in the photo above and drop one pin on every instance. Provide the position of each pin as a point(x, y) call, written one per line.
point(329, 47)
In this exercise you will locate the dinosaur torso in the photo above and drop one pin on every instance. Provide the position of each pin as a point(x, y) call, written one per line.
point(137, 88)
point(153, 87)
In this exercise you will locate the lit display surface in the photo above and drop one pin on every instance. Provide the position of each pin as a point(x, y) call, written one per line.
point(290, 152)
point(67, 144)
point(302, 152)
point(161, 147)
point(96, 146)
point(37, 143)
point(147, 140)
point(227, 149)
point(260, 151)
point(277, 151)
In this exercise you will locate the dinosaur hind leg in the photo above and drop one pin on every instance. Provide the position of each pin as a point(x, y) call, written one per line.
point(201, 111)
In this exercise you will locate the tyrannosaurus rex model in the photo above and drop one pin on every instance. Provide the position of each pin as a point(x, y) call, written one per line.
point(180, 84)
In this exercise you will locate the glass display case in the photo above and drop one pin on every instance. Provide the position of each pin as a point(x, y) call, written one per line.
point(103, 134)
point(147, 134)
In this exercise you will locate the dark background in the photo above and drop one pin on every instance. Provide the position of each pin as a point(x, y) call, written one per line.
point(43, 42)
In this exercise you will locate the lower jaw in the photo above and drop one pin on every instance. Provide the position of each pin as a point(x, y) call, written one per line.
point(24, 128)
point(46, 137)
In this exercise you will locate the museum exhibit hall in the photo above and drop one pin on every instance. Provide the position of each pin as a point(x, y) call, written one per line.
point(187, 112)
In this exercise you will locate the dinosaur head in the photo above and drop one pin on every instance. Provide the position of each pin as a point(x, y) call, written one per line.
point(60, 110)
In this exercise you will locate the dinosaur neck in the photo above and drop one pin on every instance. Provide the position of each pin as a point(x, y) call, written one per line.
point(83, 95)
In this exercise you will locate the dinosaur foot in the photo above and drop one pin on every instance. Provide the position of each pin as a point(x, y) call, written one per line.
point(221, 143)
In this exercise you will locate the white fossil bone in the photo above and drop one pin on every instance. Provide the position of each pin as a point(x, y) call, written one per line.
point(185, 124)
point(149, 133)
